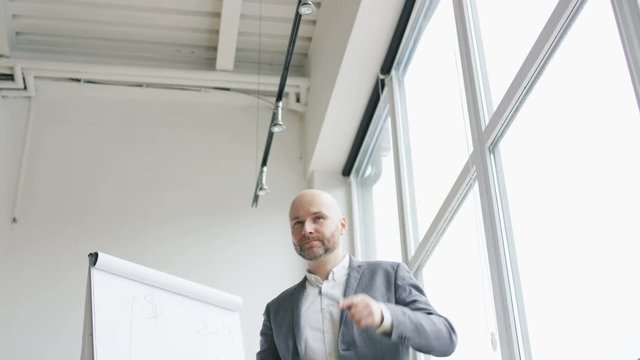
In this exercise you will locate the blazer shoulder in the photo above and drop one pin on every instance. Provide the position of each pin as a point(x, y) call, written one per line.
point(381, 264)
point(287, 294)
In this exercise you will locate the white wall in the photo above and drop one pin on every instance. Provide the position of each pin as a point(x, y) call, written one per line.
point(158, 177)
point(349, 45)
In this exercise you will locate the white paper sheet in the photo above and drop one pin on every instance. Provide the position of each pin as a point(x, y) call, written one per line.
point(141, 313)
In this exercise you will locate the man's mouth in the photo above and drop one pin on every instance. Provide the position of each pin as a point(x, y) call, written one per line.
point(310, 242)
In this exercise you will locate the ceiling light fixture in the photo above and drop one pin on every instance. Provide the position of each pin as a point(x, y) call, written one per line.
point(306, 8)
point(262, 183)
point(276, 119)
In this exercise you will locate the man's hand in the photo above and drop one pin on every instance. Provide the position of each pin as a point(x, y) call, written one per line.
point(362, 310)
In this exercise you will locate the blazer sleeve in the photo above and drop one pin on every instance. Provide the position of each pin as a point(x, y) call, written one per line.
point(415, 322)
point(268, 349)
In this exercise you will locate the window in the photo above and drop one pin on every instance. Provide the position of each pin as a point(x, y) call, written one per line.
point(458, 285)
point(539, 257)
point(508, 29)
point(437, 122)
point(375, 184)
point(571, 170)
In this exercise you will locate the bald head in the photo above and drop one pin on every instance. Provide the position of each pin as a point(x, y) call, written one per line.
point(315, 200)
point(317, 225)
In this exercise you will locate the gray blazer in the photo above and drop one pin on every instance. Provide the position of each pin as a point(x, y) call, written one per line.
point(416, 323)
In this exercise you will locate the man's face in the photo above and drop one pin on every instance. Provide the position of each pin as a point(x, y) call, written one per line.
point(316, 226)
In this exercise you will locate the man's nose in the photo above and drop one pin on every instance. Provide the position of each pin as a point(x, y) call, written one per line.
point(308, 228)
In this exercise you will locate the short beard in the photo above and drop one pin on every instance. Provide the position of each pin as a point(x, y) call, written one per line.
point(326, 249)
point(311, 257)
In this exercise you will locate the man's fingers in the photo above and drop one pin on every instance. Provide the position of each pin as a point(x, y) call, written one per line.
point(350, 301)
point(362, 310)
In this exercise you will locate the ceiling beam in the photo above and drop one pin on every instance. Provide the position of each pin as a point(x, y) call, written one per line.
point(228, 34)
point(5, 40)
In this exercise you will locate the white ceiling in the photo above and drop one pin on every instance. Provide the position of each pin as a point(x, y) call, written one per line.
point(231, 35)
point(209, 44)
point(231, 44)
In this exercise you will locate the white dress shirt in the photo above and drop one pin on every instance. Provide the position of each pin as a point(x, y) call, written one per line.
point(320, 313)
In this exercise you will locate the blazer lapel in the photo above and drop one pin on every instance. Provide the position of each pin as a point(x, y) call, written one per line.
point(355, 271)
point(296, 309)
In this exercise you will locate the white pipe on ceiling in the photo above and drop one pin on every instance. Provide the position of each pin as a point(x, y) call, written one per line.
point(25, 72)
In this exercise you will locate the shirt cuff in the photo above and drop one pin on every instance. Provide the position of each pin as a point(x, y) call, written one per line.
point(387, 324)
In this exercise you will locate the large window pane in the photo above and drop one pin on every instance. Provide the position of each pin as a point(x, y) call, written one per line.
point(457, 283)
point(571, 164)
point(379, 230)
point(437, 124)
point(508, 29)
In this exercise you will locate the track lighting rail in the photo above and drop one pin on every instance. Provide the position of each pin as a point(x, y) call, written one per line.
point(305, 7)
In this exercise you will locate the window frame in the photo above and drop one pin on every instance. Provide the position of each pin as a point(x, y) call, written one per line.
point(373, 134)
point(487, 126)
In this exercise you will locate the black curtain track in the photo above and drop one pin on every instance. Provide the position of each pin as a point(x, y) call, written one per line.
point(374, 98)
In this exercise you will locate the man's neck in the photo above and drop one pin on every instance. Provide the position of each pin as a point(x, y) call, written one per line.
point(322, 266)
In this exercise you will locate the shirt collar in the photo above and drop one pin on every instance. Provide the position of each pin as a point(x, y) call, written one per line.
point(339, 272)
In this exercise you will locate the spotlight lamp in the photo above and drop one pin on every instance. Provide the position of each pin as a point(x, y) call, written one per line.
point(306, 8)
point(262, 186)
point(276, 119)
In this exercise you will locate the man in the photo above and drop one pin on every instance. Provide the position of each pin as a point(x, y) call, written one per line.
point(384, 310)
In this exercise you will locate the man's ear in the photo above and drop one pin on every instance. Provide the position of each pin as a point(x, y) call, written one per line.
point(343, 224)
